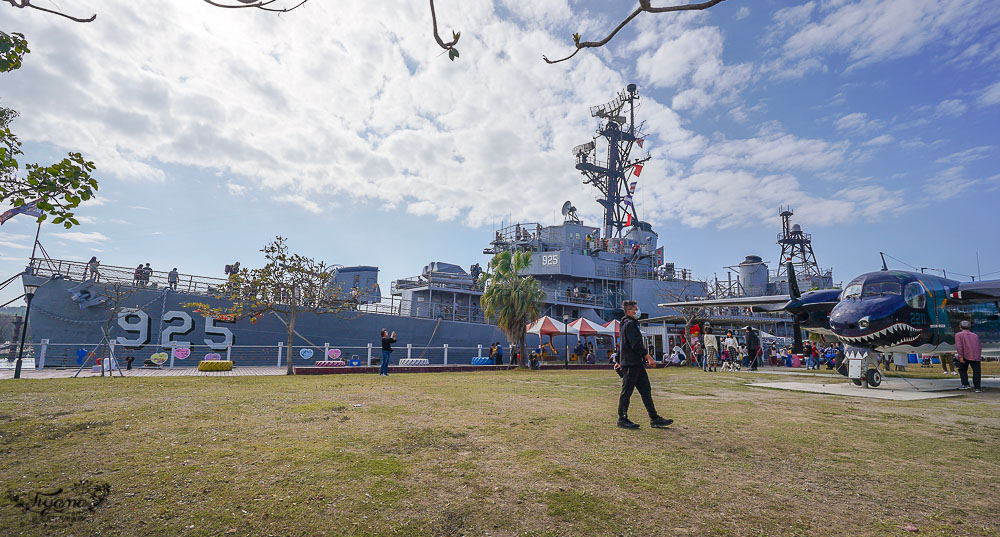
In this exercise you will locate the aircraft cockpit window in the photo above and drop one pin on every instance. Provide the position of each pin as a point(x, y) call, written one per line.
point(881, 289)
point(914, 295)
point(853, 291)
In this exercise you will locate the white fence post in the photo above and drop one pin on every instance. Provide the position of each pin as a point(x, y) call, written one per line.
point(409, 350)
point(112, 359)
point(229, 352)
point(326, 351)
point(510, 352)
point(445, 354)
point(281, 344)
point(173, 347)
point(369, 355)
point(40, 363)
point(480, 354)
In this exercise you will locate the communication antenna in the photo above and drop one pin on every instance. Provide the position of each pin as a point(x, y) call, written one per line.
point(611, 177)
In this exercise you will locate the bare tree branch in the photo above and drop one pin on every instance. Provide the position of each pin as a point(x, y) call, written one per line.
point(27, 3)
point(437, 37)
point(258, 4)
point(644, 5)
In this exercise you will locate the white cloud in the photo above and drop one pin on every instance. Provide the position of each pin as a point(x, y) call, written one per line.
point(236, 189)
point(951, 108)
point(742, 13)
point(91, 237)
point(882, 139)
point(869, 31)
point(690, 60)
point(771, 151)
point(857, 121)
point(990, 96)
point(969, 155)
point(949, 184)
point(16, 245)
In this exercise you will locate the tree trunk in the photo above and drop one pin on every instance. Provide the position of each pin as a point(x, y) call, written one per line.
point(523, 362)
point(291, 337)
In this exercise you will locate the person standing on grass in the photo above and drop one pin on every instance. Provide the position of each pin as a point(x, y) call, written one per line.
point(632, 361)
point(948, 361)
point(969, 352)
point(387, 341)
point(753, 348)
point(711, 343)
point(499, 360)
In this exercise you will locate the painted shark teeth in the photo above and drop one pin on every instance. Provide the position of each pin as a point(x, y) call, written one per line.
point(904, 332)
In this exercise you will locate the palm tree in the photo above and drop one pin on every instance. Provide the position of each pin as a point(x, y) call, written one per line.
point(513, 300)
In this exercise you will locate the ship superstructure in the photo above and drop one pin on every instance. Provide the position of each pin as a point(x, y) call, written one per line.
point(586, 270)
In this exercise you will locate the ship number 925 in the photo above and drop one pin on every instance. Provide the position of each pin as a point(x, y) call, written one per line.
point(550, 260)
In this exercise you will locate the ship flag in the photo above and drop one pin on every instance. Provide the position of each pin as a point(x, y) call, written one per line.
point(637, 169)
point(631, 187)
point(30, 209)
point(640, 141)
point(628, 200)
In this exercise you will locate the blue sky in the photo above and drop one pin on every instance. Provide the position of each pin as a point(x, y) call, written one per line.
point(342, 127)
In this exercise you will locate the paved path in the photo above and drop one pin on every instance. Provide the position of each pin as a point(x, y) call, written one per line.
point(893, 389)
point(59, 373)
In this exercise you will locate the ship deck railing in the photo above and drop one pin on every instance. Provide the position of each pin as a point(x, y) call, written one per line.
point(426, 310)
point(437, 280)
point(80, 271)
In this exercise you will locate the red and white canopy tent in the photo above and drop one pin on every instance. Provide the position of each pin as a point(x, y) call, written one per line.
point(586, 328)
point(549, 326)
point(614, 326)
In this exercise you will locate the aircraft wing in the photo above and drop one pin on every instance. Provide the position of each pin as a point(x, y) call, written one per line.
point(737, 301)
point(976, 292)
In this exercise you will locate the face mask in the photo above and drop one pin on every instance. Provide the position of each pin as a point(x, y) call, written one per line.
point(638, 312)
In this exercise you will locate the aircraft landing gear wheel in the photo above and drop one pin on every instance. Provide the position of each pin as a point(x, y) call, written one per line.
point(857, 382)
point(874, 378)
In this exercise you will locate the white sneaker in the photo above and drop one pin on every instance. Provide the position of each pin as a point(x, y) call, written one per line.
point(954, 372)
point(964, 387)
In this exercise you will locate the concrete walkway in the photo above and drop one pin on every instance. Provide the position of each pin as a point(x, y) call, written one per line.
point(60, 373)
point(893, 389)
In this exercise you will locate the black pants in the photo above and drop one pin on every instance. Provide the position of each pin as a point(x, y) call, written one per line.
point(977, 373)
point(635, 377)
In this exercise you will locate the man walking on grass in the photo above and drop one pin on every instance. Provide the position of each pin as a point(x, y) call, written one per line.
point(632, 361)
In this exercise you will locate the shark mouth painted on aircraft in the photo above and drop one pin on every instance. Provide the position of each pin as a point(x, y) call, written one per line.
point(896, 334)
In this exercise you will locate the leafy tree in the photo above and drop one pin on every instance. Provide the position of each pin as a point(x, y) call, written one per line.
point(513, 300)
point(60, 187)
point(287, 285)
point(689, 289)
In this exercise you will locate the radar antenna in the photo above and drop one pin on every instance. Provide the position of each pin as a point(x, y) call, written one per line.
point(569, 214)
point(611, 177)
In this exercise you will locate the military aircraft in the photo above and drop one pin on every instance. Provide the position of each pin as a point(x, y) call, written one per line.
point(890, 311)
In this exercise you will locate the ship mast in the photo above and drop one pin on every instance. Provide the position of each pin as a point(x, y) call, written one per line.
point(611, 177)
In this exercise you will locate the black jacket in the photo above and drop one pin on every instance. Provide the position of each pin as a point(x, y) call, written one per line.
point(633, 351)
point(753, 343)
point(387, 343)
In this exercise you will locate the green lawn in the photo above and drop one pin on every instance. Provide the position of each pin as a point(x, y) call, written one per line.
point(511, 453)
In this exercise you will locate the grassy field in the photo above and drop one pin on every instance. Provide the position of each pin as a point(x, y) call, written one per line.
point(505, 453)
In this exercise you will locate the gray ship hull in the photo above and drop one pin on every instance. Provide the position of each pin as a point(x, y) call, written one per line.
point(150, 321)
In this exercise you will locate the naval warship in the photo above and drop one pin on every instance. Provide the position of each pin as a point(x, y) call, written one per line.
point(584, 270)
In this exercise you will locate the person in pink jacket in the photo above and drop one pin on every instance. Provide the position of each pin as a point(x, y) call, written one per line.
point(969, 352)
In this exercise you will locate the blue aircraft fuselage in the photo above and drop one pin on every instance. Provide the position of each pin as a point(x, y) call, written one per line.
point(889, 309)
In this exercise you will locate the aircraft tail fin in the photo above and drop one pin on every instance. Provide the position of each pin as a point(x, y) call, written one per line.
point(793, 282)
